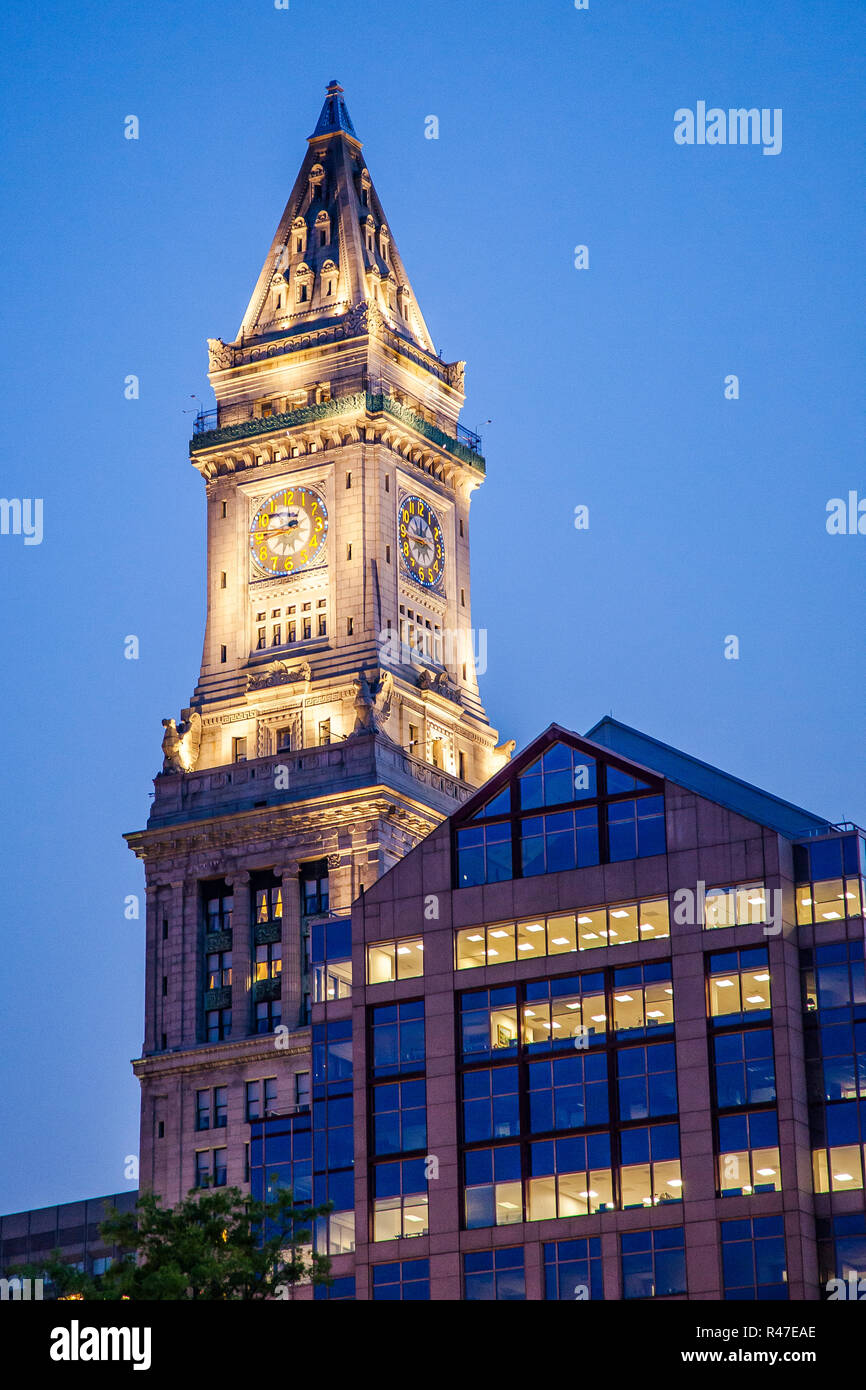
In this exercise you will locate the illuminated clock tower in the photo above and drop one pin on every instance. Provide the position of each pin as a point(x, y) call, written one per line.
point(337, 717)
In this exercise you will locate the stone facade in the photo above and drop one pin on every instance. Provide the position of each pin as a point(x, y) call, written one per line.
point(337, 717)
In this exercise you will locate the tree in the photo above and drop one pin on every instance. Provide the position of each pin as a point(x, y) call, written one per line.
point(216, 1244)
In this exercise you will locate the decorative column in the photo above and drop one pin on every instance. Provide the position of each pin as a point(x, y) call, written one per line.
point(292, 995)
point(241, 953)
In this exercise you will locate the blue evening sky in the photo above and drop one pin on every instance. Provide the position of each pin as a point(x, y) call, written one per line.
point(605, 387)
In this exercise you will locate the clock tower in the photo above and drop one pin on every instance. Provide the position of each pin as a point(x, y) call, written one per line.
point(337, 716)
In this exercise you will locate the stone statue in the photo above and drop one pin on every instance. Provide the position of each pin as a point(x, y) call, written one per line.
point(280, 673)
point(506, 749)
point(219, 355)
point(455, 375)
point(180, 742)
point(439, 683)
point(372, 701)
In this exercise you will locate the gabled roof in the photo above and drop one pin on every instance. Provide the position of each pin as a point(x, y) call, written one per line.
point(706, 780)
point(554, 733)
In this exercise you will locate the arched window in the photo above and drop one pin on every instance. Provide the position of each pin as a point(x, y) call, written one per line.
point(365, 189)
point(317, 182)
point(323, 228)
point(304, 278)
point(299, 237)
point(385, 244)
point(370, 235)
point(328, 279)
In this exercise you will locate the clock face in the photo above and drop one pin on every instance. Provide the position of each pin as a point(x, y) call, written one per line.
point(422, 543)
point(288, 531)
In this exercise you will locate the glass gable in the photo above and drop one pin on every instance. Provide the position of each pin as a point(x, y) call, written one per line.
point(566, 810)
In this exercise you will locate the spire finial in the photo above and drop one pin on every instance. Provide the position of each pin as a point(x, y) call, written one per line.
point(334, 115)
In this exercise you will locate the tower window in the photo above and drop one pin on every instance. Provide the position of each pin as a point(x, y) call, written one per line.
point(223, 654)
point(261, 638)
point(219, 969)
point(277, 638)
point(299, 244)
point(462, 598)
point(324, 732)
point(164, 986)
point(284, 740)
point(387, 482)
point(322, 626)
point(323, 237)
point(279, 301)
point(350, 626)
point(348, 552)
point(348, 480)
point(308, 628)
point(461, 526)
point(302, 294)
point(222, 579)
point(461, 766)
point(291, 633)
point(239, 750)
point(269, 963)
point(387, 554)
point(219, 906)
point(269, 1015)
point(314, 887)
point(464, 670)
point(165, 929)
point(225, 509)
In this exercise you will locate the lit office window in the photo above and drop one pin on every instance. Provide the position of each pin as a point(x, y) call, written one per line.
point(569, 1177)
point(749, 1153)
point(650, 1172)
point(399, 1199)
point(739, 986)
point(402, 959)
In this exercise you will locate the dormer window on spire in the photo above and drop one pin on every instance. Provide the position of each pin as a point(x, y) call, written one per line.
point(299, 236)
point(370, 235)
point(385, 244)
point(304, 278)
point(317, 182)
point(323, 228)
point(328, 277)
point(365, 189)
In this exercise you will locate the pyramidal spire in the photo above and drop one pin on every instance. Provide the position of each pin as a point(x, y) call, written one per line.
point(334, 253)
point(335, 113)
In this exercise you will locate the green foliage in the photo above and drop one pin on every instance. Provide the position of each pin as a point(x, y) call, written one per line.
point(216, 1244)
